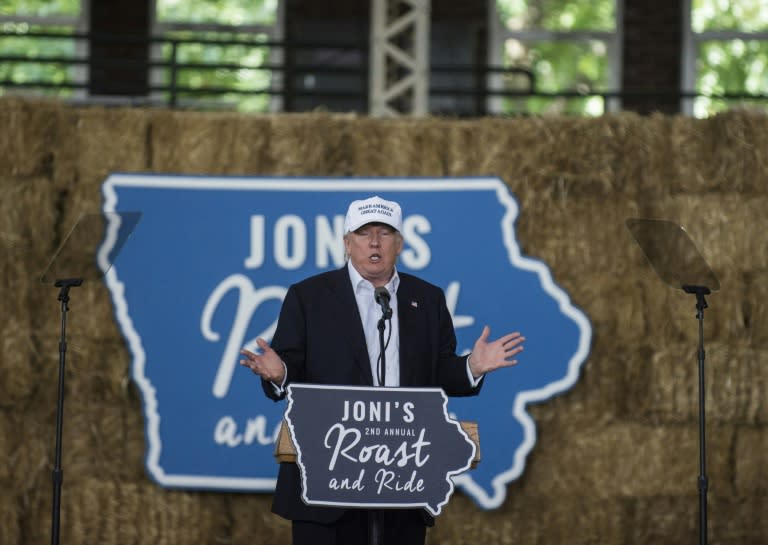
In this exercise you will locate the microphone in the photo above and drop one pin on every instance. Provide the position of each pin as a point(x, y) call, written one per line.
point(381, 295)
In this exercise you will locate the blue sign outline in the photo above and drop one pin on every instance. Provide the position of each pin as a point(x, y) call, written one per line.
point(360, 185)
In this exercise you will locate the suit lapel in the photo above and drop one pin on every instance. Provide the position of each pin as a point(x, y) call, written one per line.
point(347, 318)
point(408, 317)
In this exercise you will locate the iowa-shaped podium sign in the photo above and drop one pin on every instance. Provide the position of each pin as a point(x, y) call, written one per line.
point(376, 447)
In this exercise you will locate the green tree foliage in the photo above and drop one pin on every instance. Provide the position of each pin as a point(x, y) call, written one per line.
point(560, 65)
point(40, 8)
point(242, 73)
point(730, 67)
point(17, 43)
point(231, 12)
point(569, 72)
point(743, 15)
point(558, 15)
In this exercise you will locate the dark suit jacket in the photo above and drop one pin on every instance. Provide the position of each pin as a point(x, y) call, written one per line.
point(320, 338)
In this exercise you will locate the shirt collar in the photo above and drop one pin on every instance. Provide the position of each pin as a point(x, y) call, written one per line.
point(359, 282)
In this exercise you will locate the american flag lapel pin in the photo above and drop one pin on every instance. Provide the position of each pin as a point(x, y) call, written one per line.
point(414, 304)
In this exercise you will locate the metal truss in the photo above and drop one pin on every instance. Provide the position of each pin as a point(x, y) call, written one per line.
point(399, 58)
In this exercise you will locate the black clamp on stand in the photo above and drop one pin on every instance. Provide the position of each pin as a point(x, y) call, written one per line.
point(86, 254)
point(676, 260)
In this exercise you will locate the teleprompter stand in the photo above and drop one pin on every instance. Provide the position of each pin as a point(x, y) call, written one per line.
point(86, 254)
point(677, 261)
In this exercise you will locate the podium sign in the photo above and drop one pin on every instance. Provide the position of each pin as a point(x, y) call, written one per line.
point(376, 447)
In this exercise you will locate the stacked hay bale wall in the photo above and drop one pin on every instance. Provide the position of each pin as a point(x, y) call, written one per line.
point(617, 456)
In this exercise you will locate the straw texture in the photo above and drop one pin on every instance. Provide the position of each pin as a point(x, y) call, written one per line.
point(616, 457)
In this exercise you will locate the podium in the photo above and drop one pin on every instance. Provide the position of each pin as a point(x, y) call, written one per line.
point(375, 448)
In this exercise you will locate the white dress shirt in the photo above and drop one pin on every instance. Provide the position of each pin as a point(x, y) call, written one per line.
point(370, 313)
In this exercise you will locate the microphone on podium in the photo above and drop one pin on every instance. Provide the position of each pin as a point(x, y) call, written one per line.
point(381, 295)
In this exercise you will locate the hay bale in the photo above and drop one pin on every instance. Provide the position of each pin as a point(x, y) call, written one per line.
point(610, 379)
point(755, 307)
point(134, 449)
point(81, 202)
point(736, 379)
point(724, 153)
point(625, 457)
point(253, 523)
point(204, 143)
point(7, 440)
point(91, 142)
point(28, 235)
point(28, 439)
point(663, 519)
point(232, 144)
point(104, 439)
point(670, 314)
point(93, 434)
point(726, 228)
point(611, 459)
point(36, 357)
point(543, 158)
point(29, 309)
point(91, 317)
point(114, 513)
point(10, 529)
point(27, 137)
point(109, 140)
point(734, 520)
point(529, 520)
point(738, 519)
point(176, 516)
point(751, 474)
point(312, 145)
point(90, 307)
point(578, 237)
point(99, 369)
point(19, 382)
point(66, 149)
point(614, 305)
point(489, 147)
point(398, 147)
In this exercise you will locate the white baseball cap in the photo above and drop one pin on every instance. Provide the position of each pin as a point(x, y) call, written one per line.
point(373, 210)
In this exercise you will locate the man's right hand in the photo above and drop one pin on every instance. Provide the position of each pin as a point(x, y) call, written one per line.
point(267, 365)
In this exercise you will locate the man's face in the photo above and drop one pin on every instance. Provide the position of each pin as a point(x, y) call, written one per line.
point(373, 251)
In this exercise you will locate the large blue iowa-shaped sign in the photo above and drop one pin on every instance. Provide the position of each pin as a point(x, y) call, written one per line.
point(204, 274)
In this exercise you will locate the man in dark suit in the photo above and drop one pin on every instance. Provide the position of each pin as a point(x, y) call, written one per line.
point(327, 334)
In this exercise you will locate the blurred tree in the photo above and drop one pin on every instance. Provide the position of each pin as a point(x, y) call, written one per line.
point(736, 64)
point(564, 43)
point(40, 8)
point(559, 43)
point(29, 16)
point(245, 74)
point(252, 23)
point(229, 12)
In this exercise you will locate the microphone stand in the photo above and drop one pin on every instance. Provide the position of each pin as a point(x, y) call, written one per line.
point(701, 304)
point(382, 347)
point(58, 472)
point(374, 516)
